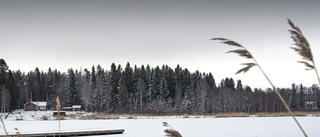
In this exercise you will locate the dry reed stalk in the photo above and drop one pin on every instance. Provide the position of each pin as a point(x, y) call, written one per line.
point(232, 114)
point(185, 115)
point(243, 52)
point(3, 126)
point(302, 47)
point(171, 132)
point(280, 114)
point(58, 109)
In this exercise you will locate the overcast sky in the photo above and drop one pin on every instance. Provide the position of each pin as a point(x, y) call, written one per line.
point(64, 34)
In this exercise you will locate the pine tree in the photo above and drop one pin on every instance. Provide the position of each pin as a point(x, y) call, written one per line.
point(37, 85)
point(86, 95)
point(128, 78)
point(226, 83)
point(43, 86)
point(164, 90)
point(72, 93)
point(100, 89)
point(14, 92)
point(142, 89)
point(114, 76)
point(19, 78)
point(293, 98)
point(301, 104)
point(136, 94)
point(51, 94)
point(3, 71)
point(239, 86)
point(3, 80)
point(94, 92)
point(123, 95)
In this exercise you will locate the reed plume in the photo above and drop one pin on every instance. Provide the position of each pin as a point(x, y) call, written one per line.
point(243, 52)
point(171, 132)
point(302, 47)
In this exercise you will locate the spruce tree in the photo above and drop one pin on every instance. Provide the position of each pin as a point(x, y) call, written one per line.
point(301, 103)
point(123, 95)
point(72, 93)
point(37, 84)
point(100, 88)
point(51, 94)
point(128, 78)
point(239, 86)
point(114, 76)
point(19, 78)
point(3, 71)
point(14, 92)
point(293, 98)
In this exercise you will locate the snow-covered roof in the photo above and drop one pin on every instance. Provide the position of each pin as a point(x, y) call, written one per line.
point(76, 106)
point(40, 104)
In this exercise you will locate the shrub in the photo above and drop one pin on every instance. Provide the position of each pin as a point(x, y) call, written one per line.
point(45, 118)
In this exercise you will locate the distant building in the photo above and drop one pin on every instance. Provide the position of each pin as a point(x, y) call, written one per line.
point(73, 108)
point(76, 108)
point(32, 106)
point(66, 108)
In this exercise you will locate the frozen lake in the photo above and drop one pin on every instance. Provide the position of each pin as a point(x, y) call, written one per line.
point(188, 127)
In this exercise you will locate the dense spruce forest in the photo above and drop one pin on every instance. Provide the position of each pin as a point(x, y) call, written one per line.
point(146, 90)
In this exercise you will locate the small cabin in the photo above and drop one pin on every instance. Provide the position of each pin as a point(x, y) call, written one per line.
point(32, 106)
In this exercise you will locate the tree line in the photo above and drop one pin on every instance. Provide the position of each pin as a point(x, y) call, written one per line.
point(146, 90)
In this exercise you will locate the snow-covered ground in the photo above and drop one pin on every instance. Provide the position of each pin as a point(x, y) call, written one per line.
point(188, 127)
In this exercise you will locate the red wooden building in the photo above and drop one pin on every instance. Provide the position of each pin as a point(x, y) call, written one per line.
point(32, 106)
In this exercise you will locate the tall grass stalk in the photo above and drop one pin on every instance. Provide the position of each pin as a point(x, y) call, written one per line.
point(58, 109)
point(243, 52)
point(3, 126)
point(302, 47)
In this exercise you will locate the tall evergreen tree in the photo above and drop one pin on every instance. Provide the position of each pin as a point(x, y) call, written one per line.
point(293, 98)
point(19, 78)
point(128, 78)
point(37, 85)
point(51, 94)
point(14, 92)
point(239, 86)
point(72, 93)
point(156, 79)
point(123, 95)
point(3, 71)
point(100, 89)
point(114, 76)
point(3, 81)
point(301, 103)
point(94, 92)
point(231, 84)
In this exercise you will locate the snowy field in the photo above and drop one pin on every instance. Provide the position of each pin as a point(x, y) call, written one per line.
point(188, 127)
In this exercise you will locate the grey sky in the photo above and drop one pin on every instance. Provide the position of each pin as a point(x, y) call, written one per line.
point(66, 34)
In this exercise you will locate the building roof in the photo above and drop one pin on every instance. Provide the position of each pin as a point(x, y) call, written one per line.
point(40, 104)
point(76, 106)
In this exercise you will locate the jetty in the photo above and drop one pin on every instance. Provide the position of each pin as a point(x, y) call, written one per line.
point(68, 133)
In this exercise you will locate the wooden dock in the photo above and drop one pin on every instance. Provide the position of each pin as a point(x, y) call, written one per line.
point(69, 133)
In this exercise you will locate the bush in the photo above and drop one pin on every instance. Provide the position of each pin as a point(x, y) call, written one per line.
point(45, 118)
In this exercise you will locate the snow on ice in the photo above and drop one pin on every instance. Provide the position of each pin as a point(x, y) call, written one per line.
point(188, 127)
